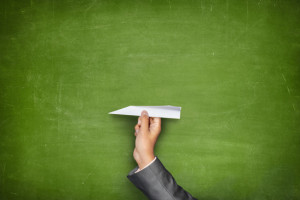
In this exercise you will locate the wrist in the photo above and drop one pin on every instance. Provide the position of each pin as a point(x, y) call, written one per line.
point(145, 161)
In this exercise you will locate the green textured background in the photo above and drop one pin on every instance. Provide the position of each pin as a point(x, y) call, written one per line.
point(233, 67)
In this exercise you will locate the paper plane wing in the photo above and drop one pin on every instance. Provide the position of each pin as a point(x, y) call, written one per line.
point(153, 111)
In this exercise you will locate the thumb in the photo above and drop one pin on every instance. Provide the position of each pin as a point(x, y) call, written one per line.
point(144, 121)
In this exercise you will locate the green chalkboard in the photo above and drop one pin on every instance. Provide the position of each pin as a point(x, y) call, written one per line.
point(233, 67)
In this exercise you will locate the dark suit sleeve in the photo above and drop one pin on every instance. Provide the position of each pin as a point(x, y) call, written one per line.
point(157, 183)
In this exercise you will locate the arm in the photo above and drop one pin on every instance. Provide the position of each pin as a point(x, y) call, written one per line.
point(157, 183)
point(151, 177)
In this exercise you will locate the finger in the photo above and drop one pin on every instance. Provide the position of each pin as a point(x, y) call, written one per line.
point(139, 121)
point(144, 121)
point(155, 125)
point(151, 120)
point(136, 128)
point(155, 121)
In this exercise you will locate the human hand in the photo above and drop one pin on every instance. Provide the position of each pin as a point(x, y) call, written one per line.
point(147, 131)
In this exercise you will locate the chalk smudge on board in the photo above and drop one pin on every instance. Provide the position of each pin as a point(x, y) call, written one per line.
point(3, 172)
point(247, 16)
point(90, 6)
point(294, 107)
point(86, 178)
point(170, 4)
point(288, 89)
point(58, 103)
point(283, 77)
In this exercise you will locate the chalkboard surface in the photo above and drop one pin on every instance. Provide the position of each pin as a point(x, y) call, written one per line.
point(233, 67)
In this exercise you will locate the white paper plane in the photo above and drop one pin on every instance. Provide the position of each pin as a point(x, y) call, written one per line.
point(153, 111)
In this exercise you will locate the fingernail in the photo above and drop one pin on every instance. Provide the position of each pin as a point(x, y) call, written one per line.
point(139, 121)
point(136, 131)
point(145, 112)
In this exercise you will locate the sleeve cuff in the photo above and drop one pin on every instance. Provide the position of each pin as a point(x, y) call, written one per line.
point(138, 170)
